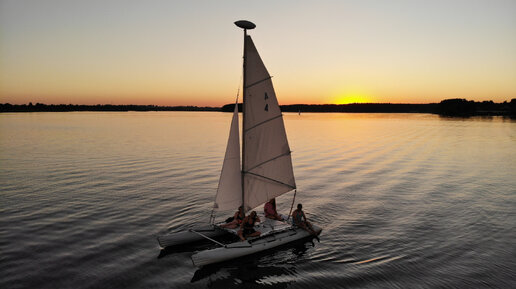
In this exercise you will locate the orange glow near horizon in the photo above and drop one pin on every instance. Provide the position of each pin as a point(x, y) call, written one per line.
point(351, 95)
point(352, 98)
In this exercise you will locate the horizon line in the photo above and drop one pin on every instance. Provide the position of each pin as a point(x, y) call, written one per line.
point(208, 106)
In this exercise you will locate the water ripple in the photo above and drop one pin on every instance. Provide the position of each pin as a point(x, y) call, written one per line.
point(405, 201)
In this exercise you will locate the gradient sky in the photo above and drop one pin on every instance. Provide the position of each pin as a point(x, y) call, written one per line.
point(190, 52)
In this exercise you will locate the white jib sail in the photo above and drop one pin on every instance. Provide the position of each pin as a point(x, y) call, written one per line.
point(268, 169)
point(229, 192)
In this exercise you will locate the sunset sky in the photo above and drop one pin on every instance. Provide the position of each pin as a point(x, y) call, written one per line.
point(190, 52)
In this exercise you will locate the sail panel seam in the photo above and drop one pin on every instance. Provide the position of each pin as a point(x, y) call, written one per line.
point(263, 122)
point(269, 160)
point(273, 180)
point(259, 81)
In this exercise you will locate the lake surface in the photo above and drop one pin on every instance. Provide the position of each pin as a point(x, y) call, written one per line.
point(405, 201)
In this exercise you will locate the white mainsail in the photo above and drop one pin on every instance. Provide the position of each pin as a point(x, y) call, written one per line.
point(267, 162)
point(229, 192)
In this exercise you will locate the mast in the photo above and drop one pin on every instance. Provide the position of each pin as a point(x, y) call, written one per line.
point(243, 123)
point(244, 25)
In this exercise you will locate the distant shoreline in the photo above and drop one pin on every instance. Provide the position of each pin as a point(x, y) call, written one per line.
point(448, 107)
point(40, 107)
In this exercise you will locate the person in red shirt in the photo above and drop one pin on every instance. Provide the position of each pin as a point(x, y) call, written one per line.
point(270, 210)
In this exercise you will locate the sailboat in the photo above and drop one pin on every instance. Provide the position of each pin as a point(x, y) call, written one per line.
point(263, 171)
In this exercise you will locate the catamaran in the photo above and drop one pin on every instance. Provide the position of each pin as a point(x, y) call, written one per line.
point(263, 172)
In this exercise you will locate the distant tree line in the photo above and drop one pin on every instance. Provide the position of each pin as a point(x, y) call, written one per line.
point(463, 107)
point(448, 107)
point(6, 107)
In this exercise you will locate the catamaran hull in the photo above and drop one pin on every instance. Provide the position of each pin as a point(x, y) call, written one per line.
point(239, 249)
point(190, 236)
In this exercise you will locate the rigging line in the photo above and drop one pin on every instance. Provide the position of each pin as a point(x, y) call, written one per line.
point(292, 206)
point(269, 160)
point(238, 88)
point(265, 121)
point(273, 180)
point(212, 216)
point(259, 81)
point(204, 236)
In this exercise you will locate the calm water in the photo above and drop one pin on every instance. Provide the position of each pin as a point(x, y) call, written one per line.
point(405, 200)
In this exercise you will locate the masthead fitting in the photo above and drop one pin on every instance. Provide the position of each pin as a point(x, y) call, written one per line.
point(244, 24)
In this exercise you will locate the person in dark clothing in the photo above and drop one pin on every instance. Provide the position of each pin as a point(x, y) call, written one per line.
point(237, 219)
point(299, 219)
point(247, 227)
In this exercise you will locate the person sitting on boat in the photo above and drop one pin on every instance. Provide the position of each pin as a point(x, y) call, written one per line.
point(270, 211)
point(247, 227)
point(299, 218)
point(237, 219)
